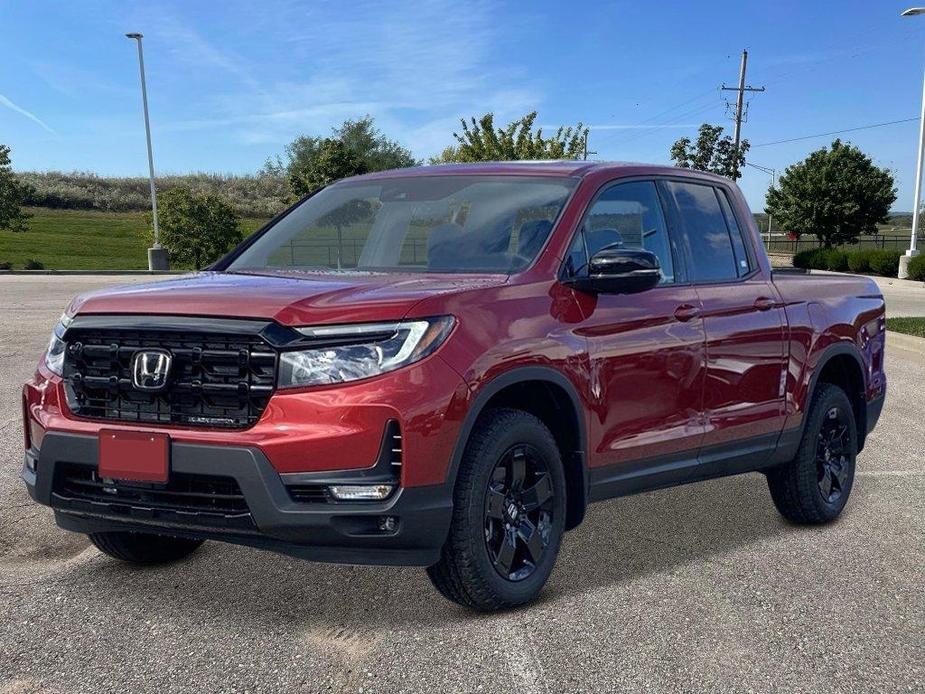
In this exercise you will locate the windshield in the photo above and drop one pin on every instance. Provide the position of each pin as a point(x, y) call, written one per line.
point(455, 223)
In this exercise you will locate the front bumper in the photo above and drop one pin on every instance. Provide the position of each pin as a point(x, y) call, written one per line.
point(316, 530)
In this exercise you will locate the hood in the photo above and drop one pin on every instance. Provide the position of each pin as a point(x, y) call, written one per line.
point(310, 299)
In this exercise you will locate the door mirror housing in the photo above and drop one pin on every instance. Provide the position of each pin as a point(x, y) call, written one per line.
point(619, 270)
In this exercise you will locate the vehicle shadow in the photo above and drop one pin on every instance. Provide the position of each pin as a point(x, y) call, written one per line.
point(620, 541)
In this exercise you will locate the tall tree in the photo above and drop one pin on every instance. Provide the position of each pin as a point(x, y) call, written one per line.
point(369, 147)
point(712, 152)
point(196, 228)
point(12, 195)
point(332, 159)
point(836, 193)
point(481, 141)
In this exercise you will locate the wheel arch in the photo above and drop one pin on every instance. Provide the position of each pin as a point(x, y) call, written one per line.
point(552, 391)
point(841, 365)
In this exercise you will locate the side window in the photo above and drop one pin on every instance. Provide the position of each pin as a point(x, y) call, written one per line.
point(705, 231)
point(744, 262)
point(627, 215)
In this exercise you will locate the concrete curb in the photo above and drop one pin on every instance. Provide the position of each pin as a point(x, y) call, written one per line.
point(910, 343)
point(94, 272)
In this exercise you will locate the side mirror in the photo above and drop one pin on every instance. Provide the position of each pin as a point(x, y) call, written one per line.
point(618, 270)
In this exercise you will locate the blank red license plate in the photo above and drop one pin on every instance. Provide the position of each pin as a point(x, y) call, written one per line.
point(134, 455)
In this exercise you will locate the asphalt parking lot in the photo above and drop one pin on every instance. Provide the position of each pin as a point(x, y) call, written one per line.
point(697, 588)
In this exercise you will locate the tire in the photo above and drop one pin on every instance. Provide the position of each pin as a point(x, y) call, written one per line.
point(814, 487)
point(143, 548)
point(504, 537)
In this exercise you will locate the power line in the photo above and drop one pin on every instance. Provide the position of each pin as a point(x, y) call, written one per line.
point(837, 132)
point(676, 119)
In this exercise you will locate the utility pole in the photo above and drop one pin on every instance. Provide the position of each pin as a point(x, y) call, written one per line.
point(587, 132)
point(740, 98)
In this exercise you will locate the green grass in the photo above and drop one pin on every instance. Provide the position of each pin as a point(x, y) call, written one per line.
point(84, 240)
point(909, 326)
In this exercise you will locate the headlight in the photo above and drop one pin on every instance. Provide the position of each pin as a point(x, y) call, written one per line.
point(54, 355)
point(350, 352)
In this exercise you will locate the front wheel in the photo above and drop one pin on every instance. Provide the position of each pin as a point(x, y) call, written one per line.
point(143, 548)
point(813, 488)
point(508, 514)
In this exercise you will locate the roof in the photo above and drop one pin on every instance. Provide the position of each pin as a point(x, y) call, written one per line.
point(560, 167)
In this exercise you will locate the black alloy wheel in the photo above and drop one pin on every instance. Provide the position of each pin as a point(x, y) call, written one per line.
point(518, 513)
point(832, 454)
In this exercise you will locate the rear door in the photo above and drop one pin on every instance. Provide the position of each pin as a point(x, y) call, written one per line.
point(743, 320)
point(646, 350)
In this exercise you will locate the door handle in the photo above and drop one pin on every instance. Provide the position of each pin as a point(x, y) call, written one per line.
point(686, 312)
point(764, 303)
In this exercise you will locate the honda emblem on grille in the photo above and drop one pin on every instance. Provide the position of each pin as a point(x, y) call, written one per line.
point(150, 369)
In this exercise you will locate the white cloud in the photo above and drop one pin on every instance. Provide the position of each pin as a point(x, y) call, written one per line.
point(28, 114)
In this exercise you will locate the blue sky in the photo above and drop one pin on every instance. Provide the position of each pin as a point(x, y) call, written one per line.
point(231, 83)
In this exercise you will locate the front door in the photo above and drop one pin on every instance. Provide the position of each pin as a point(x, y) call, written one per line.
point(646, 350)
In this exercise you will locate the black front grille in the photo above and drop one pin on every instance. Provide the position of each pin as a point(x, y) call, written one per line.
point(216, 380)
point(184, 493)
point(309, 493)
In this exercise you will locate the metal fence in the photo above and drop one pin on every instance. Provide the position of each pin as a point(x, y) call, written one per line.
point(894, 242)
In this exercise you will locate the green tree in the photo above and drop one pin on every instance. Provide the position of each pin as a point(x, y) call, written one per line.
point(12, 195)
point(368, 145)
point(835, 193)
point(195, 228)
point(711, 152)
point(481, 141)
point(332, 160)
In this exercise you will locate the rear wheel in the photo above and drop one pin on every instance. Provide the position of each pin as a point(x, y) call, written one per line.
point(508, 514)
point(143, 548)
point(813, 488)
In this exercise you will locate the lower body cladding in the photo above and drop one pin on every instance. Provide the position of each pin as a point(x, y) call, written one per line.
point(233, 494)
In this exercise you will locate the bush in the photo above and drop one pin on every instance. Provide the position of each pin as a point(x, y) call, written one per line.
point(917, 268)
point(262, 195)
point(196, 228)
point(33, 264)
point(810, 259)
point(836, 260)
point(859, 261)
point(885, 263)
point(6, 266)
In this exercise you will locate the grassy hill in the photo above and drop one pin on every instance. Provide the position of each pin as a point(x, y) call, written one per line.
point(84, 240)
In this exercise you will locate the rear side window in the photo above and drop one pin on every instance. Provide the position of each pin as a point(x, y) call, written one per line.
point(706, 233)
point(744, 262)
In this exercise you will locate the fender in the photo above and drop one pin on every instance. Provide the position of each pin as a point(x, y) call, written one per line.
point(789, 440)
point(576, 490)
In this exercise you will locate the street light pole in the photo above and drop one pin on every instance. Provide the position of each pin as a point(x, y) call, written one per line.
point(157, 256)
point(912, 252)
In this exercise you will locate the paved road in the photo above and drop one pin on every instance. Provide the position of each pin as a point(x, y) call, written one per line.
point(701, 587)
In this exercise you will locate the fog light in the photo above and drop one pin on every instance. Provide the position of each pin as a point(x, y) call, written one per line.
point(360, 492)
point(388, 524)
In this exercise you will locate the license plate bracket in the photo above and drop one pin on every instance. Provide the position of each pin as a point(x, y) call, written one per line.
point(134, 455)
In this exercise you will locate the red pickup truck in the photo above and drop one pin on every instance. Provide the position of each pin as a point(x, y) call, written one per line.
point(443, 366)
